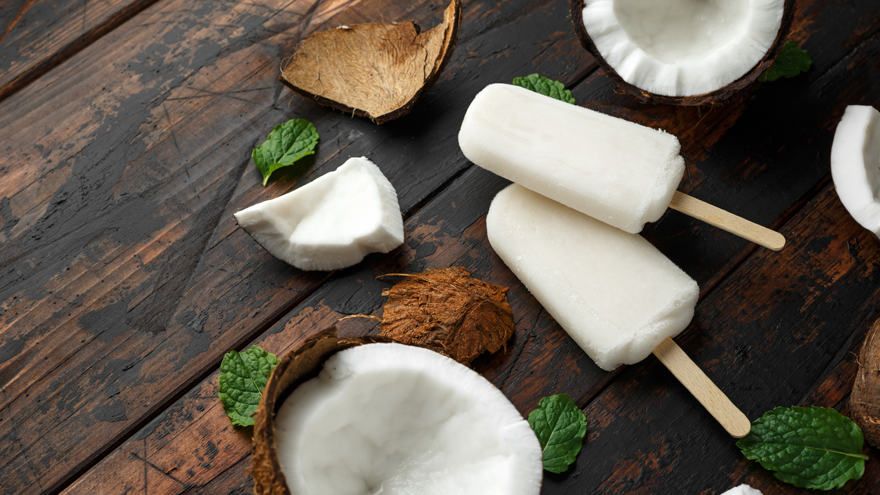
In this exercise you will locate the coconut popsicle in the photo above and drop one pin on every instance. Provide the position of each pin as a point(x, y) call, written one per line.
point(619, 172)
point(616, 295)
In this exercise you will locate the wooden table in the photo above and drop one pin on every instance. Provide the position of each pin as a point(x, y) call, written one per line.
point(126, 128)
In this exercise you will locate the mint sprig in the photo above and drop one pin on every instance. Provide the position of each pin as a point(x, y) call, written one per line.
point(560, 426)
point(791, 61)
point(243, 375)
point(286, 144)
point(545, 86)
point(809, 447)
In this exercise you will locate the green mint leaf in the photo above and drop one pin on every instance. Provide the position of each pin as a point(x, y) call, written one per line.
point(791, 61)
point(242, 378)
point(545, 86)
point(560, 426)
point(808, 447)
point(284, 146)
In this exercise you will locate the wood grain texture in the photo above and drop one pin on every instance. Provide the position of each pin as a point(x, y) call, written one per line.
point(36, 35)
point(125, 277)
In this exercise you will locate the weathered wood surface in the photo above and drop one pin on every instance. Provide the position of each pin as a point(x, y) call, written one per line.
point(124, 278)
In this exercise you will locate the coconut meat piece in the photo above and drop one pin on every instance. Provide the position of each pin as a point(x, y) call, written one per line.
point(742, 490)
point(614, 293)
point(682, 47)
point(855, 165)
point(332, 222)
point(392, 419)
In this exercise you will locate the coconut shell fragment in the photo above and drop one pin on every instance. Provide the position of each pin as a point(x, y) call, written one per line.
point(372, 70)
point(864, 401)
point(448, 311)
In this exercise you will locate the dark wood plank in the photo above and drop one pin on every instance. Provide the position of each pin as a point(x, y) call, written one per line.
point(768, 336)
point(37, 35)
point(124, 277)
point(450, 230)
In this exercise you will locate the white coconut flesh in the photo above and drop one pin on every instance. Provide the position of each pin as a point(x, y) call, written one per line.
point(332, 222)
point(682, 47)
point(855, 165)
point(392, 419)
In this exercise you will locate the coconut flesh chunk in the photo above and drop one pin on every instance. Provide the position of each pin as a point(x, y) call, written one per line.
point(332, 222)
point(855, 165)
point(392, 419)
point(742, 490)
point(682, 47)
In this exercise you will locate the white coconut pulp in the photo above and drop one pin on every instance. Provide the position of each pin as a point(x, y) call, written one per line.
point(392, 419)
point(332, 222)
point(682, 47)
point(855, 165)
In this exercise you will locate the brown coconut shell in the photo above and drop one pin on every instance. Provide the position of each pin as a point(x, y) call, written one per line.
point(372, 70)
point(296, 367)
point(745, 82)
point(864, 401)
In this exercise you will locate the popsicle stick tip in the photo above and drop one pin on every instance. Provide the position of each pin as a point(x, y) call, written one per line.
point(776, 242)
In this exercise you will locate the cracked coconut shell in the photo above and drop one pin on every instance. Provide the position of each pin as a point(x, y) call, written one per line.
point(372, 70)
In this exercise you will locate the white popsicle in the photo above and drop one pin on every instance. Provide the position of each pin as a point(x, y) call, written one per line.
point(615, 294)
point(616, 171)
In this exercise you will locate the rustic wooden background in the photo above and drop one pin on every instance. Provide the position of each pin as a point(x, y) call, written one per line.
point(125, 131)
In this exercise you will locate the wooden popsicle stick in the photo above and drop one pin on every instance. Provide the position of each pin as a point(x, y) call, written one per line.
point(727, 221)
point(700, 386)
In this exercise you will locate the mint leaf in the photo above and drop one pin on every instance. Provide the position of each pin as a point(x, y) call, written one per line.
point(545, 86)
point(284, 146)
point(791, 61)
point(242, 378)
point(808, 447)
point(560, 426)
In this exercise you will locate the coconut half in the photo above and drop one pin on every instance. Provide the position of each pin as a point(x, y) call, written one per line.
point(855, 165)
point(683, 51)
point(386, 418)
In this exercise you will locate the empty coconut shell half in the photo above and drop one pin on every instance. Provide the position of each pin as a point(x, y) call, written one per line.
point(372, 70)
point(683, 52)
point(366, 415)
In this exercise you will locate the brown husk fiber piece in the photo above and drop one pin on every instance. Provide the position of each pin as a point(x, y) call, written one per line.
point(448, 311)
point(864, 401)
point(372, 70)
point(294, 368)
point(576, 7)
